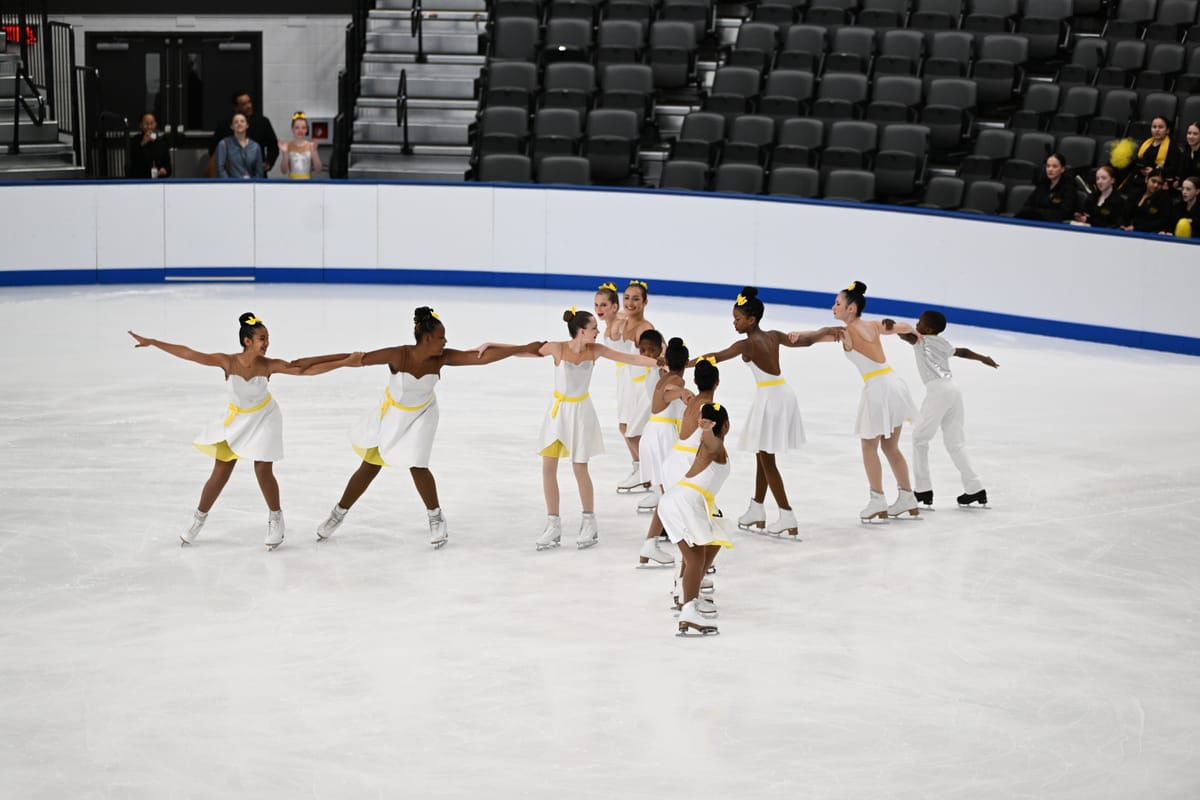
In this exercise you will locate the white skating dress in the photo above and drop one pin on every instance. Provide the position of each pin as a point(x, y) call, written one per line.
point(661, 432)
point(885, 401)
point(774, 424)
point(628, 392)
point(571, 428)
point(299, 165)
point(399, 431)
point(687, 507)
point(680, 457)
point(645, 379)
point(251, 427)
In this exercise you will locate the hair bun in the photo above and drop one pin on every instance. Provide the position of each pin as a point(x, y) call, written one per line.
point(421, 314)
point(568, 315)
point(244, 319)
point(859, 287)
point(749, 292)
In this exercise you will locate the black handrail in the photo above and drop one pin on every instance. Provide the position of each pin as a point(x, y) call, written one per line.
point(349, 88)
point(402, 112)
point(417, 17)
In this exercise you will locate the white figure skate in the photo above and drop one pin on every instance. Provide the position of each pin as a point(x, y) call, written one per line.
point(876, 509)
point(691, 623)
point(755, 517)
point(633, 482)
point(906, 504)
point(198, 520)
point(589, 535)
point(274, 530)
point(653, 556)
point(327, 528)
point(705, 606)
point(552, 535)
point(785, 524)
point(706, 584)
point(439, 532)
point(650, 501)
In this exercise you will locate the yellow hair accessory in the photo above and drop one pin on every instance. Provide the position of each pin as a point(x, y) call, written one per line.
point(298, 115)
point(639, 283)
point(850, 288)
point(254, 321)
point(607, 287)
point(434, 315)
point(741, 301)
point(716, 406)
point(573, 309)
point(710, 359)
point(1121, 155)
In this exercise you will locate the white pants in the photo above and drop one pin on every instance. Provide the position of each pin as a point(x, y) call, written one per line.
point(943, 408)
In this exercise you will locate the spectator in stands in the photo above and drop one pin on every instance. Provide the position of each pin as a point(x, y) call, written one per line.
point(239, 156)
point(148, 155)
point(259, 130)
point(1053, 200)
point(1186, 158)
point(1186, 210)
point(1153, 153)
point(1151, 211)
point(300, 156)
point(1105, 207)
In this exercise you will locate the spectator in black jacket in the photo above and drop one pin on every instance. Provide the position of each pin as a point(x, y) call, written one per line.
point(1151, 212)
point(260, 130)
point(1185, 161)
point(1105, 207)
point(1053, 199)
point(149, 156)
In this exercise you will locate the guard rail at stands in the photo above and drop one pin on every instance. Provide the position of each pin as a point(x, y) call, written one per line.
point(1110, 287)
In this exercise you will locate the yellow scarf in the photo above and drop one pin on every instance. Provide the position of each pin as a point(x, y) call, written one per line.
point(1163, 149)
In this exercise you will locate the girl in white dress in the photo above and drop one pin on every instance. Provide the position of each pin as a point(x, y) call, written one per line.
point(251, 427)
point(773, 426)
point(399, 431)
point(884, 405)
point(571, 428)
point(299, 157)
point(631, 324)
point(690, 516)
point(658, 438)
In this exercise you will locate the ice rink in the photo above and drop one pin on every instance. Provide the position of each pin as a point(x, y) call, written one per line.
point(1047, 647)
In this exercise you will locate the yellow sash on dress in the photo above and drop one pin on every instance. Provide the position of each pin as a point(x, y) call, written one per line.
point(560, 398)
point(390, 402)
point(300, 176)
point(641, 378)
point(234, 410)
point(868, 375)
point(776, 382)
point(686, 448)
point(710, 504)
point(670, 420)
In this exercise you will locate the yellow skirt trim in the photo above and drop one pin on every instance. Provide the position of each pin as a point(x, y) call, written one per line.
point(220, 451)
point(556, 450)
point(370, 455)
point(868, 375)
point(299, 176)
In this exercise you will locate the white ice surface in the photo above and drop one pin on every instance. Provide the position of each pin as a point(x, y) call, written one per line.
point(1045, 648)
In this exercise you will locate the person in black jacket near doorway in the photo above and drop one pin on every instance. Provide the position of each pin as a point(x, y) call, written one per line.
point(149, 156)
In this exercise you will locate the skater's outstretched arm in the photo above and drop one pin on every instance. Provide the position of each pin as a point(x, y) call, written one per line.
point(963, 352)
point(735, 349)
point(898, 328)
point(809, 338)
point(602, 351)
point(221, 360)
point(491, 352)
point(303, 363)
point(277, 366)
point(888, 324)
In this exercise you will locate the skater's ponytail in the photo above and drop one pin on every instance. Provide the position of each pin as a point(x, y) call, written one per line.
point(677, 354)
point(749, 304)
point(609, 290)
point(856, 293)
point(642, 286)
point(706, 375)
point(249, 324)
point(576, 320)
point(718, 414)
point(425, 322)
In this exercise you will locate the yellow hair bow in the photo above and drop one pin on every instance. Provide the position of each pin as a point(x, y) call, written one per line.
point(850, 288)
point(573, 311)
point(298, 115)
point(716, 406)
point(608, 287)
point(710, 359)
point(254, 321)
point(639, 283)
point(434, 315)
point(741, 300)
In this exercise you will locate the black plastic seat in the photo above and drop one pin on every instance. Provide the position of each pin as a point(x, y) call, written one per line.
point(855, 185)
point(895, 98)
point(567, 39)
point(841, 95)
point(611, 143)
point(949, 111)
point(755, 46)
point(993, 147)
point(1076, 108)
point(999, 71)
point(569, 85)
point(950, 55)
point(984, 197)
point(788, 93)
point(571, 170)
point(510, 83)
point(749, 140)
point(1028, 158)
point(1046, 26)
point(943, 193)
point(734, 91)
point(902, 160)
point(804, 48)
point(556, 132)
point(901, 52)
point(799, 143)
point(700, 138)
point(672, 54)
point(851, 145)
point(629, 86)
point(505, 168)
point(686, 175)
point(738, 179)
point(1038, 106)
point(795, 182)
point(619, 41)
point(852, 49)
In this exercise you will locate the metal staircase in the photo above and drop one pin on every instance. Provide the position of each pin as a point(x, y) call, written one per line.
point(40, 152)
point(416, 128)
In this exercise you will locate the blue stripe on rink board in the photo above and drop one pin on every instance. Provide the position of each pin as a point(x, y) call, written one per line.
point(901, 309)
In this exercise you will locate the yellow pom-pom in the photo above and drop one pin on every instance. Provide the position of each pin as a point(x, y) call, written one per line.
point(1121, 155)
point(1184, 228)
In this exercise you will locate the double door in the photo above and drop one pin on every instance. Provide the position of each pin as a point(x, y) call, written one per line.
point(187, 80)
